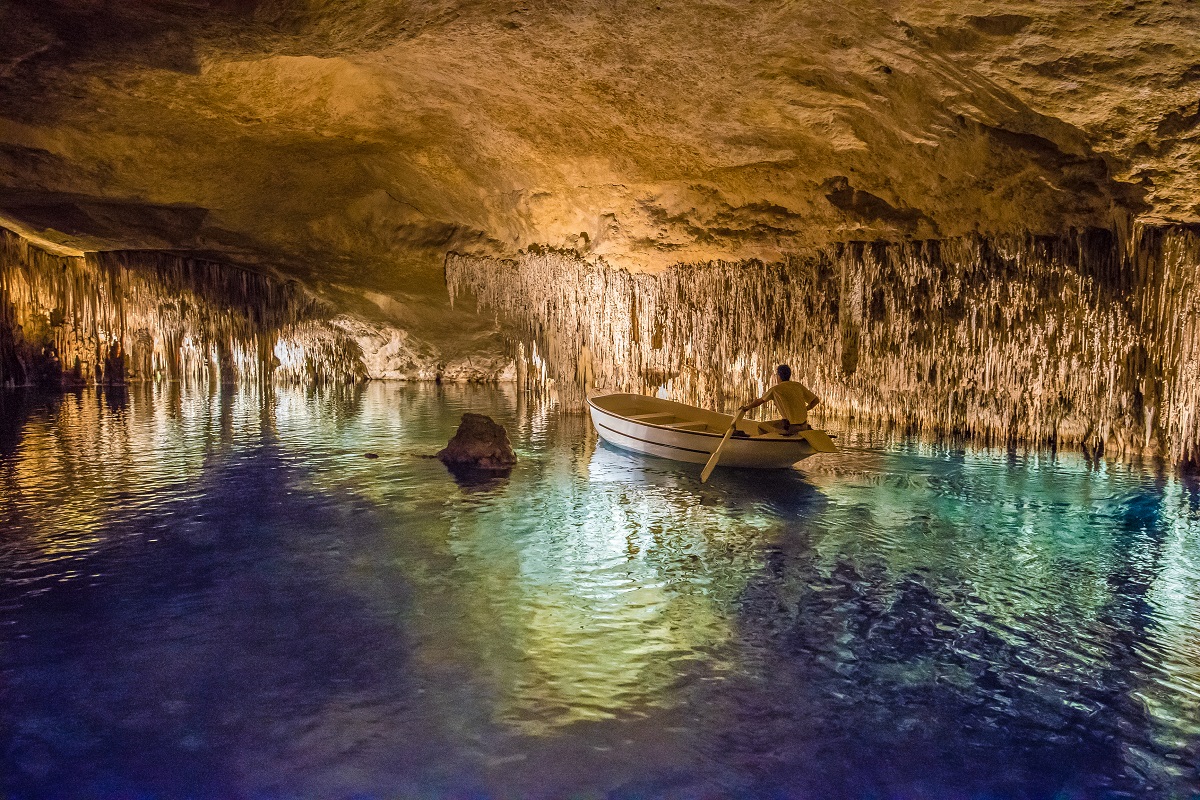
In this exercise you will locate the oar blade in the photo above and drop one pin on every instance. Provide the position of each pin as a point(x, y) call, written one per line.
point(712, 461)
point(820, 441)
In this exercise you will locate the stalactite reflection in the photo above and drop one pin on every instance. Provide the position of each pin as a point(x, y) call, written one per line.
point(267, 591)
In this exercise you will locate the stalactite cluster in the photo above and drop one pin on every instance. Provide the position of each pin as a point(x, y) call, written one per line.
point(1088, 340)
point(117, 317)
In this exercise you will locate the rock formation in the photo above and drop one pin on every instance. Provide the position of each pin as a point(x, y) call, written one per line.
point(375, 133)
point(349, 146)
point(110, 317)
point(1081, 340)
point(479, 443)
point(357, 141)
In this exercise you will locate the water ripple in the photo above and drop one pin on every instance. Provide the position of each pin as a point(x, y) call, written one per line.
point(220, 596)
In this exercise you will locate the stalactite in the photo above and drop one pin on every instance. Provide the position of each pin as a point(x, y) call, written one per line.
point(125, 316)
point(1083, 340)
point(317, 352)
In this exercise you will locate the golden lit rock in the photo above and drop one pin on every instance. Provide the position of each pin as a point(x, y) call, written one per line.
point(351, 146)
point(375, 134)
point(1071, 341)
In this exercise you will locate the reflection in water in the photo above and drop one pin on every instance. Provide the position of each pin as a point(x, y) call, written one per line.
point(472, 479)
point(609, 579)
point(213, 594)
point(14, 409)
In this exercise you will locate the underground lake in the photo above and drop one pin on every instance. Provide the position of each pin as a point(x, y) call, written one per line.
point(217, 594)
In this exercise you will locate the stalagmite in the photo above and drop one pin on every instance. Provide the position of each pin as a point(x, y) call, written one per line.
point(1082, 340)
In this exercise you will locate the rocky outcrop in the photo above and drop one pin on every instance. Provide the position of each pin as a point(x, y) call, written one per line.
point(479, 443)
point(389, 353)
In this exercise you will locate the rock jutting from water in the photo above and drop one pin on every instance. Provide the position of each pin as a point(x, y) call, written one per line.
point(1083, 340)
point(479, 443)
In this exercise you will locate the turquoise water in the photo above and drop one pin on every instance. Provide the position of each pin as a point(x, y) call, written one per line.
point(219, 595)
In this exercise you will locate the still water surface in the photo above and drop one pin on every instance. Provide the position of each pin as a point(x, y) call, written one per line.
point(218, 596)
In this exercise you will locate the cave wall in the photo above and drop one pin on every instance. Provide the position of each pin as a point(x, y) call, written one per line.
point(114, 317)
point(1090, 339)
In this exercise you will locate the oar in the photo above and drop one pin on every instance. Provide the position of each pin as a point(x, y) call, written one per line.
point(712, 460)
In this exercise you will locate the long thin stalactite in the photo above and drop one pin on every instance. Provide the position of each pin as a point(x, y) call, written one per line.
point(1084, 340)
point(115, 317)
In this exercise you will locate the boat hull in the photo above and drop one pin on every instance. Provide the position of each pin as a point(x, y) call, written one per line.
point(694, 446)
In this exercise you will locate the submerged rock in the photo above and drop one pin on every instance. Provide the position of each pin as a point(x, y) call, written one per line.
point(480, 443)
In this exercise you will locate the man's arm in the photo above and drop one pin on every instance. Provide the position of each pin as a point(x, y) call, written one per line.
point(756, 403)
point(815, 401)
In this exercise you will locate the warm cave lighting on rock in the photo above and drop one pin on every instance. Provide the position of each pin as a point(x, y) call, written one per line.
point(1082, 341)
point(289, 355)
point(604, 399)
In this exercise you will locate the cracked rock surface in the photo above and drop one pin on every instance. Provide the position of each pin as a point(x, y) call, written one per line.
point(359, 141)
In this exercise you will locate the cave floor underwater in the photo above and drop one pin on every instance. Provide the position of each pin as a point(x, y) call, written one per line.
point(215, 594)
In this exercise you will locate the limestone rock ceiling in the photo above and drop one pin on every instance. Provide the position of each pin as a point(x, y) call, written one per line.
point(352, 144)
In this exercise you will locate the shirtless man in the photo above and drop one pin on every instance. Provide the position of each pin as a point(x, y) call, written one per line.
point(792, 398)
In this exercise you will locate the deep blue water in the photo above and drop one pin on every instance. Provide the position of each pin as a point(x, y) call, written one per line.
point(219, 596)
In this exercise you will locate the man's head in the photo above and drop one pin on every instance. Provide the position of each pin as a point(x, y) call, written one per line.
point(784, 372)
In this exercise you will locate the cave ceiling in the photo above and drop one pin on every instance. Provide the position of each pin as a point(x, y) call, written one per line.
point(352, 144)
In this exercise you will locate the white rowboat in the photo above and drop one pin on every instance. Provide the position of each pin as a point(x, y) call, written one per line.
point(681, 432)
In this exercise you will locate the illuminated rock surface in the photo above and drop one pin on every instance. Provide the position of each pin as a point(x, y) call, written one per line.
point(372, 134)
point(1057, 341)
point(350, 146)
point(111, 317)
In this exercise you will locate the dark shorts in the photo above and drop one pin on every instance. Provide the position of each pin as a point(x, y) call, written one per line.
point(787, 428)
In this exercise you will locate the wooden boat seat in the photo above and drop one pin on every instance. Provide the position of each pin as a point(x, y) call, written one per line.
point(648, 417)
point(767, 430)
point(688, 426)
